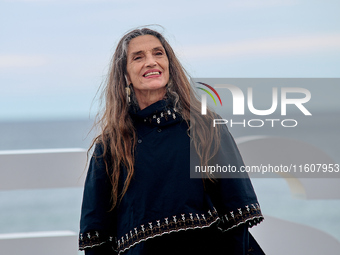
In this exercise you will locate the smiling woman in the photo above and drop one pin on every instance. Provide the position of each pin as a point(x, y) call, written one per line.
point(138, 196)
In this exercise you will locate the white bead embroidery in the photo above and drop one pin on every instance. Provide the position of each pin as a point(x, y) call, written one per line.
point(212, 217)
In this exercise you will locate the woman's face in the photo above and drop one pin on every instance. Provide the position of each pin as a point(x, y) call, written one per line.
point(147, 66)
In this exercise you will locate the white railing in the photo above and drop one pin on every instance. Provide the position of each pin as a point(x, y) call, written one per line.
point(58, 168)
point(41, 169)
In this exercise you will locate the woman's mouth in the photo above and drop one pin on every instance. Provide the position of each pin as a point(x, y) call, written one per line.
point(152, 72)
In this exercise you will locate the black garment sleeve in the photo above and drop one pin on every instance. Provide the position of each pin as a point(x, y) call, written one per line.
point(97, 221)
point(238, 241)
point(105, 249)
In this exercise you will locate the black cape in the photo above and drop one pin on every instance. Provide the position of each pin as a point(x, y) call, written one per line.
point(163, 204)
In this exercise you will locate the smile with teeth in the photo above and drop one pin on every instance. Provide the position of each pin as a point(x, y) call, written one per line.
point(152, 73)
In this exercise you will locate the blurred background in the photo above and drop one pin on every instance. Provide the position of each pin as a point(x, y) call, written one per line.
point(55, 54)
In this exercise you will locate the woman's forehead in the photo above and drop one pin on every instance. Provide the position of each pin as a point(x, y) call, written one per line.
point(143, 43)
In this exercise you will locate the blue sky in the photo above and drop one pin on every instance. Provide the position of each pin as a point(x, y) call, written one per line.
point(55, 54)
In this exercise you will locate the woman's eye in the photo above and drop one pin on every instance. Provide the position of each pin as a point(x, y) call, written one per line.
point(136, 58)
point(159, 53)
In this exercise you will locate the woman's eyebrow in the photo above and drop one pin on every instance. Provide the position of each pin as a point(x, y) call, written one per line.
point(136, 53)
point(158, 48)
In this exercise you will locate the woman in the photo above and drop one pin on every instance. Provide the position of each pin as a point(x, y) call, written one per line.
point(138, 196)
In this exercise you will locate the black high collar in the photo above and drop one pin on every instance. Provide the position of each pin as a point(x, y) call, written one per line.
point(161, 113)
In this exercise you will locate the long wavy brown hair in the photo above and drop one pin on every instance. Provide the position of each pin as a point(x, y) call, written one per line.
point(117, 133)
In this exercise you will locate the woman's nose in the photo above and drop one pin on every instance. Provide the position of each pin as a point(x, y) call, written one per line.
point(150, 60)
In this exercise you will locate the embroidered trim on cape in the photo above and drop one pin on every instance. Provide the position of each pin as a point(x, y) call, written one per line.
point(165, 226)
point(92, 239)
point(250, 214)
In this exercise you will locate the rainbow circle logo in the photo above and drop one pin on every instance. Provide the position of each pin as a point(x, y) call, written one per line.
point(209, 93)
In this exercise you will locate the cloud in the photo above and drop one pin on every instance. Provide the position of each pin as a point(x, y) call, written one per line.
point(277, 46)
point(15, 61)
